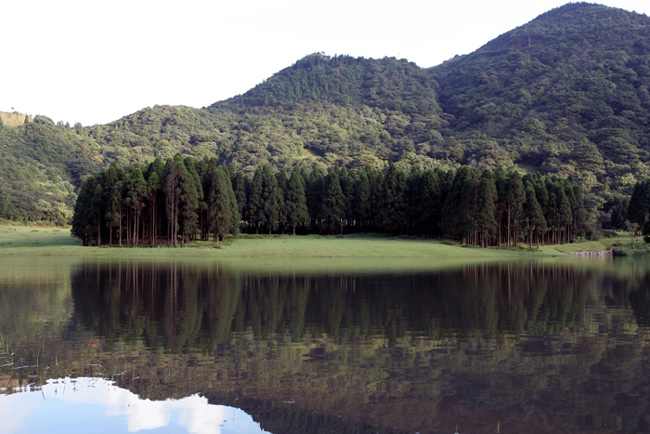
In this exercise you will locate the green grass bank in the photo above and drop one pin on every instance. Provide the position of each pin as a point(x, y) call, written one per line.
point(18, 240)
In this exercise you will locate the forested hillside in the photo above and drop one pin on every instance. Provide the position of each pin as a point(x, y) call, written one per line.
point(566, 94)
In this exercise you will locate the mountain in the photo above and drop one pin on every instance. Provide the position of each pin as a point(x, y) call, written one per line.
point(567, 93)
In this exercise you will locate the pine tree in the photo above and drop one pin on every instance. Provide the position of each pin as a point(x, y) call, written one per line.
point(333, 204)
point(190, 194)
point(392, 209)
point(565, 217)
point(254, 202)
point(361, 206)
point(136, 191)
point(155, 175)
point(81, 220)
point(485, 213)
point(459, 208)
point(270, 199)
point(223, 212)
point(514, 201)
point(534, 215)
point(240, 186)
point(172, 197)
point(296, 202)
point(315, 192)
point(281, 180)
point(113, 201)
point(639, 205)
point(501, 181)
point(97, 209)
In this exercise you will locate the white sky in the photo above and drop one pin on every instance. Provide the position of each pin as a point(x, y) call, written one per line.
point(96, 61)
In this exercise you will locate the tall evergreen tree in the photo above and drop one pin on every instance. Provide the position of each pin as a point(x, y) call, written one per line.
point(240, 187)
point(315, 193)
point(392, 208)
point(136, 191)
point(155, 175)
point(639, 205)
point(270, 199)
point(296, 202)
point(189, 202)
point(361, 206)
point(514, 202)
point(172, 197)
point(281, 180)
point(333, 210)
point(113, 200)
point(255, 201)
point(534, 215)
point(485, 213)
point(223, 212)
point(82, 222)
point(460, 206)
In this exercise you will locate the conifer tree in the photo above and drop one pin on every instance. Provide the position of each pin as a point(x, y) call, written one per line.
point(361, 207)
point(223, 212)
point(281, 180)
point(190, 194)
point(485, 213)
point(172, 197)
point(254, 201)
point(346, 180)
point(136, 191)
point(534, 215)
point(113, 201)
point(240, 186)
point(514, 201)
point(296, 202)
point(81, 219)
point(501, 181)
point(270, 199)
point(392, 211)
point(459, 208)
point(315, 193)
point(155, 175)
point(333, 204)
point(639, 205)
point(565, 217)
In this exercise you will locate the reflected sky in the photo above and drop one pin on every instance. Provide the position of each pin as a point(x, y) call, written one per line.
point(73, 405)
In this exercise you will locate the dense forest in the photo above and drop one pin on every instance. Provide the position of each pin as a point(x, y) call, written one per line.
point(184, 199)
point(565, 94)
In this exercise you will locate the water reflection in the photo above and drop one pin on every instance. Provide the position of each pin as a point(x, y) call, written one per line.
point(529, 347)
point(73, 405)
point(180, 308)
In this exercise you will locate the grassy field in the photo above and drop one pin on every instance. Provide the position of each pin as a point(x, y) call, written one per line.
point(49, 241)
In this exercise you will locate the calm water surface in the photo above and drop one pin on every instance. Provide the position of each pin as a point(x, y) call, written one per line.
point(315, 347)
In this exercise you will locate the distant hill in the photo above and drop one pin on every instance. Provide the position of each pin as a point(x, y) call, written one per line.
point(567, 93)
point(386, 84)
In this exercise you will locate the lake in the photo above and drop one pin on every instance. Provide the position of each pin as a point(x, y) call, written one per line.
point(345, 346)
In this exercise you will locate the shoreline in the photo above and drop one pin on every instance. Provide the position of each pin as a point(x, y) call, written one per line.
point(49, 241)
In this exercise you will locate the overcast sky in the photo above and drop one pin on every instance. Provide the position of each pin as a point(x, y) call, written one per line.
point(96, 61)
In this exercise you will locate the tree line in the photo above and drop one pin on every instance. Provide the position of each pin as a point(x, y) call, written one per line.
point(184, 199)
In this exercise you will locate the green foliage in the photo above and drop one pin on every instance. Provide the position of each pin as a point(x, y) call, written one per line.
point(474, 209)
point(333, 208)
point(566, 94)
point(296, 202)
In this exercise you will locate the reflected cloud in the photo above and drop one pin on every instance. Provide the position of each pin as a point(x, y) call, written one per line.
point(123, 410)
